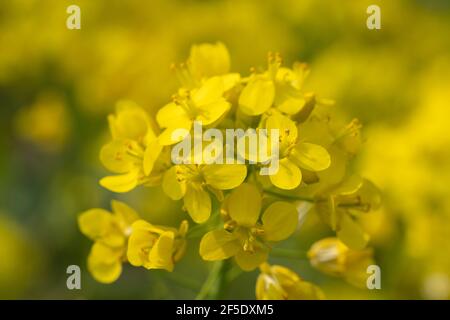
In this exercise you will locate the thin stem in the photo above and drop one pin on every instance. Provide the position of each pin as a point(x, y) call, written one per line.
point(215, 282)
point(289, 196)
point(289, 253)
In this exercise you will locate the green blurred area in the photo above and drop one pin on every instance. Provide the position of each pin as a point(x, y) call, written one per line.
point(58, 85)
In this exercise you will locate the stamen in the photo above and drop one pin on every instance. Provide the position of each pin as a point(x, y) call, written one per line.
point(248, 246)
point(230, 225)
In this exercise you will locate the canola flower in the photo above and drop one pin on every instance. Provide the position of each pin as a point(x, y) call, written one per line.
point(295, 153)
point(334, 258)
point(156, 247)
point(340, 206)
point(133, 151)
point(110, 232)
point(255, 212)
point(280, 283)
point(191, 183)
point(245, 236)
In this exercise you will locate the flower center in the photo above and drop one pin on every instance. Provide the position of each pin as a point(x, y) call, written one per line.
point(250, 238)
point(189, 172)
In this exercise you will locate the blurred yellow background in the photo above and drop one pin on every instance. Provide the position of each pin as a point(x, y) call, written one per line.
point(58, 85)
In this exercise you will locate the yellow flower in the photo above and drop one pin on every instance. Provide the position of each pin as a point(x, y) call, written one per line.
point(110, 232)
point(334, 258)
point(280, 283)
point(133, 152)
point(156, 247)
point(294, 153)
point(278, 86)
point(46, 123)
point(340, 206)
point(192, 182)
point(205, 104)
point(244, 236)
point(207, 60)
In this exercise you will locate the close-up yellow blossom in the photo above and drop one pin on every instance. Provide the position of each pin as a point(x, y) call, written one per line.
point(280, 283)
point(341, 206)
point(110, 232)
point(195, 184)
point(156, 247)
point(295, 153)
point(245, 235)
point(279, 87)
point(204, 104)
point(133, 151)
point(334, 258)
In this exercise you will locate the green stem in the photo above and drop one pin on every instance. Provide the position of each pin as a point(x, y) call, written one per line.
point(215, 282)
point(289, 253)
point(288, 196)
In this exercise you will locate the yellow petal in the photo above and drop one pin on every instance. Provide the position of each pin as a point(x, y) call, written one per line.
point(290, 104)
point(175, 134)
point(279, 221)
point(210, 92)
point(100, 225)
point(352, 234)
point(104, 263)
point(139, 245)
point(171, 115)
point(244, 205)
point(311, 156)
point(218, 245)
point(349, 186)
point(95, 223)
point(329, 255)
point(124, 213)
point(285, 276)
point(357, 263)
point(224, 176)
point(249, 261)
point(114, 156)
point(131, 121)
point(288, 176)
point(142, 240)
point(303, 290)
point(287, 129)
point(257, 97)
point(151, 228)
point(172, 187)
point(230, 80)
point(206, 60)
point(121, 183)
point(151, 154)
point(162, 251)
point(210, 113)
point(370, 195)
point(198, 203)
point(268, 289)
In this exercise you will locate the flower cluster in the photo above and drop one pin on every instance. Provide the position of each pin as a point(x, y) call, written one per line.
point(256, 211)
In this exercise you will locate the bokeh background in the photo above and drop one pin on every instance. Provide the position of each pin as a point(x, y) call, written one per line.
point(58, 85)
